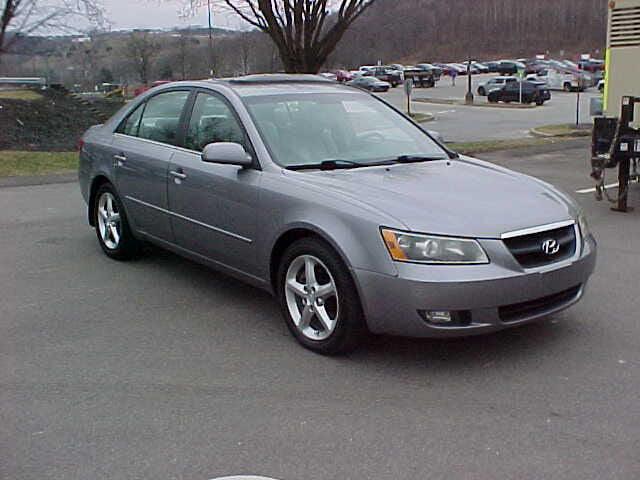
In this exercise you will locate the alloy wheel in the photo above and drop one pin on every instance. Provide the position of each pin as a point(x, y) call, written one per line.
point(312, 297)
point(109, 224)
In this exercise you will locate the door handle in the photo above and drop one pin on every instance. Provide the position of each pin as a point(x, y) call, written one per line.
point(120, 159)
point(179, 175)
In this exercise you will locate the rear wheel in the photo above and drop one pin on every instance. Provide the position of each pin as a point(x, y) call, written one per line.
point(482, 92)
point(319, 299)
point(112, 226)
point(567, 87)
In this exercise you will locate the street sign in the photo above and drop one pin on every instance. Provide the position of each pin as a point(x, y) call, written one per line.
point(408, 88)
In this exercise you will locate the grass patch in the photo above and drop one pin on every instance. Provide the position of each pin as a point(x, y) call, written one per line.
point(564, 130)
point(421, 117)
point(26, 95)
point(467, 148)
point(21, 163)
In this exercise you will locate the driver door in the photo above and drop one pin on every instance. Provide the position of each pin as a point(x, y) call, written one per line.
point(214, 207)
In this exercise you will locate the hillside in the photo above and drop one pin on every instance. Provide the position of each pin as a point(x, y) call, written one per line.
point(448, 30)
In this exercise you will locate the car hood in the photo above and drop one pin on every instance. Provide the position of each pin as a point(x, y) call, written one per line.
point(464, 197)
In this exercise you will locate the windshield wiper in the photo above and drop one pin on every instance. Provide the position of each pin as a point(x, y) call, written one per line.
point(331, 165)
point(418, 158)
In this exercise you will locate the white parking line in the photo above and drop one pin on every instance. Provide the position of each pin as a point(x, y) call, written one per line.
point(593, 189)
point(445, 111)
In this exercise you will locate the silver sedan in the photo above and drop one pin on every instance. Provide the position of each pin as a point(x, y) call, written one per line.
point(351, 214)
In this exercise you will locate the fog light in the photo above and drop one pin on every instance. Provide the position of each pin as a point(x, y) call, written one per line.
point(438, 316)
point(446, 318)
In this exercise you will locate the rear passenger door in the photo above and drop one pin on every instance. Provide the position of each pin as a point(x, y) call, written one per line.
point(143, 145)
point(214, 206)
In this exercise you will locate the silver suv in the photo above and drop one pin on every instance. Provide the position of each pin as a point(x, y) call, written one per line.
point(351, 214)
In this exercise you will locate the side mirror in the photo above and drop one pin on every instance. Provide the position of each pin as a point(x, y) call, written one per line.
point(226, 153)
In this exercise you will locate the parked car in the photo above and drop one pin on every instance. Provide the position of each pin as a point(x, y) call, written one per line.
point(142, 89)
point(492, 66)
point(510, 92)
point(458, 67)
point(370, 83)
point(386, 74)
point(434, 69)
point(509, 67)
point(592, 65)
point(343, 75)
point(601, 85)
point(494, 83)
point(329, 76)
point(562, 79)
point(480, 67)
point(345, 209)
point(421, 77)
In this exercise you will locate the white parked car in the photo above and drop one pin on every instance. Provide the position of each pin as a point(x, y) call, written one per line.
point(496, 82)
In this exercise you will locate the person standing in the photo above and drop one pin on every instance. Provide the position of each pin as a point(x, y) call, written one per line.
point(454, 73)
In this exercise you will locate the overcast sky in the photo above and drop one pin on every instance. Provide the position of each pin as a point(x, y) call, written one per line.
point(128, 14)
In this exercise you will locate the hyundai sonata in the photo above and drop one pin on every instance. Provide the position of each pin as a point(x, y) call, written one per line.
point(351, 214)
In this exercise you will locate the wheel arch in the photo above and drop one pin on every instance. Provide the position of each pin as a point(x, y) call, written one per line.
point(96, 183)
point(290, 236)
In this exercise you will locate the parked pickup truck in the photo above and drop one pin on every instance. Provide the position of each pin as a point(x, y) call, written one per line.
point(421, 77)
point(386, 74)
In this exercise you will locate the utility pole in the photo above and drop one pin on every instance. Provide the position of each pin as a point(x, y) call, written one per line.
point(211, 58)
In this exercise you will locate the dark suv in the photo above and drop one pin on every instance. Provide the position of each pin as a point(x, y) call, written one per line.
point(531, 92)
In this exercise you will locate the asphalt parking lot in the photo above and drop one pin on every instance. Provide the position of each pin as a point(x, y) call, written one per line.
point(459, 123)
point(163, 369)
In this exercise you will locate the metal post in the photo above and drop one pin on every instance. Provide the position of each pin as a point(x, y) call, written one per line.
point(578, 109)
point(211, 60)
point(468, 99)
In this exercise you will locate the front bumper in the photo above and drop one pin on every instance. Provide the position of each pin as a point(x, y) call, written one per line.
point(495, 296)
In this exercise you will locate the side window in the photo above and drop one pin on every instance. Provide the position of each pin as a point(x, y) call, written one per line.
point(130, 125)
point(161, 119)
point(212, 121)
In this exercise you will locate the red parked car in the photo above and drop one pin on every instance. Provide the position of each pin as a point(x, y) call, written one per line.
point(144, 88)
point(343, 76)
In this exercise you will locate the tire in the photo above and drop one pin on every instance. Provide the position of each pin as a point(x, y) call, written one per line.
point(567, 87)
point(539, 102)
point(121, 245)
point(343, 327)
point(482, 92)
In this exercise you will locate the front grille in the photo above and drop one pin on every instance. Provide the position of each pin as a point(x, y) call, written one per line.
point(519, 311)
point(528, 250)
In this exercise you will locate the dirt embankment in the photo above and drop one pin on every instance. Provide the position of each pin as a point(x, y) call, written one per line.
point(53, 122)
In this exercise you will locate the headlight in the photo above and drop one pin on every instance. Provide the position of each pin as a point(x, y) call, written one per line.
point(412, 247)
point(584, 226)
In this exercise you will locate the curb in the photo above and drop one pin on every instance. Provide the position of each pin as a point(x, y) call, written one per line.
point(460, 103)
point(34, 180)
point(572, 134)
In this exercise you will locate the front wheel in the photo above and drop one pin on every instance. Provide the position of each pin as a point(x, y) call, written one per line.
point(567, 87)
point(112, 226)
point(482, 92)
point(319, 299)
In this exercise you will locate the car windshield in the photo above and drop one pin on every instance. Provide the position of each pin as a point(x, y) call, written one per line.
point(350, 127)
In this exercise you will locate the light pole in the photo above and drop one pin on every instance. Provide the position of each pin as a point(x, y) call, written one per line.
point(468, 99)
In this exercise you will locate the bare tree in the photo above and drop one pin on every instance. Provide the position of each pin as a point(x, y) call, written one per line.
point(141, 49)
point(25, 17)
point(305, 32)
